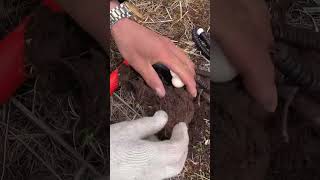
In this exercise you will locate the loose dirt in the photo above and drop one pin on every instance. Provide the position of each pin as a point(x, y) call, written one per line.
point(250, 142)
point(178, 103)
point(67, 89)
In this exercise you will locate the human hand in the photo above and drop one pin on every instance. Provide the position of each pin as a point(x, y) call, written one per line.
point(243, 30)
point(132, 156)
point(142, 48)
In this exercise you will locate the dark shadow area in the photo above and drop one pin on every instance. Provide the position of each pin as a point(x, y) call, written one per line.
point(252, 144)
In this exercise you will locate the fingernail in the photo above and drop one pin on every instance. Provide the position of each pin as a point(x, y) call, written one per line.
point(194, 93)
point(271, 103)
point(161, 93)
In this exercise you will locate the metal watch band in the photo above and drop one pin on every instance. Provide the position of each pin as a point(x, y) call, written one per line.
point(119, 13)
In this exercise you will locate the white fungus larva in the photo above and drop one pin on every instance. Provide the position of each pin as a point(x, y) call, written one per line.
point(223, 71)
point(176, 81)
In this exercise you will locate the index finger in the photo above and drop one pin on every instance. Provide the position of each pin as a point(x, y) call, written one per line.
point(253, 62)
point(183, 71)
point(173, 150)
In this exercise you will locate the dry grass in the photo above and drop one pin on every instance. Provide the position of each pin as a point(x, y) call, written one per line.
point(27, 150)
point(174, 19)
point(298, 16)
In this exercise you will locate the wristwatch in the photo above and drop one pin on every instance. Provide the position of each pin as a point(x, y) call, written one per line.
point(124, 10)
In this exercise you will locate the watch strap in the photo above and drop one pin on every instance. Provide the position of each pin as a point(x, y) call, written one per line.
point(119, 13)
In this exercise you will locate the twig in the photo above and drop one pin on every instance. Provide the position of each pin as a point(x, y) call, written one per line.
point(202, 176)
point(287, 104)
point(200, 93)
point(73, 112)
point(316, 28)
point(34, 94)
point(37, 156)
point(206, 97)
point(5, 115)
point(83, 168)
point(179, 19)
point(169, 13)
point(125, 103)
point(155, 22)
point(51, 133)
point(180, 9)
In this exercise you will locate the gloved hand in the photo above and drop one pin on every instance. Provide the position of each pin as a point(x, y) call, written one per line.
point(133, 156)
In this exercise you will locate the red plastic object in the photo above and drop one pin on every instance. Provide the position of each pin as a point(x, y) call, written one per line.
point(125, 62)
point(55, 7)
point(12, 61)
point(114, 81)
point(114, 78)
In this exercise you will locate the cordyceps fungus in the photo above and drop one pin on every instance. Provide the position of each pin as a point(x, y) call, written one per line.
point(295, 72)
point(223, 70)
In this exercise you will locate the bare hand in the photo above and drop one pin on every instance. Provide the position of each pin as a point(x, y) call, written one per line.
point(142, 48)
point(242, 28)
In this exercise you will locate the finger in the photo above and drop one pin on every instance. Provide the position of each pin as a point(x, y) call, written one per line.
point(183, 57)
point(260, 18)
point(180, 134)
point(152, 138)
point(171, 151)
point(151, 77)
point(182, 71)
point(253, 62)
point(176, 168)
point(140, 128)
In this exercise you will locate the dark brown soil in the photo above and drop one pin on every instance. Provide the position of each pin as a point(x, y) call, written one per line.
point(249, 142)
point(241, 143)
point(181, 107)
point(12, 12)
point(178, 103)
point(68, 60)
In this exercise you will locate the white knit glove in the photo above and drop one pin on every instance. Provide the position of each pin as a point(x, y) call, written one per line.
point(134, 157)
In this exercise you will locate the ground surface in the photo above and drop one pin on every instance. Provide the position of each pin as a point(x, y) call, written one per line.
point(253, 144)
point(174, 19)
point(64, 92)
point(52, 126)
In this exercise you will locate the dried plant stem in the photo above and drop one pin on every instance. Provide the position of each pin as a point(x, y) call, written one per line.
point(285, 113)
point(125, 103)
point(51, 133)
point(4, 117)
point(37, 156)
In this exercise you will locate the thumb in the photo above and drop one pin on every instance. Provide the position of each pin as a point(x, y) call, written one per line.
point(140, 128)
point(180, 134)
point(173, 152)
